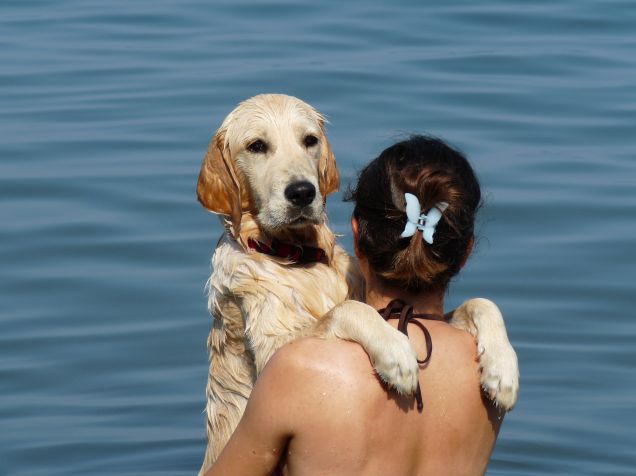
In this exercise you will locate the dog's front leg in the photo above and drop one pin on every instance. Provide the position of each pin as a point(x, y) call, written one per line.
point(497, 359)
point(390, 351)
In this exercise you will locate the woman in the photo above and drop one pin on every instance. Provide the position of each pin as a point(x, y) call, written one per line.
point(318, 407)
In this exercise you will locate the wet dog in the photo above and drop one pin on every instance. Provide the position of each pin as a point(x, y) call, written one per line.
point(278, 273)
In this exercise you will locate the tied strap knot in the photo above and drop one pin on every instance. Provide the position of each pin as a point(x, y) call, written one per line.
point(398, 309)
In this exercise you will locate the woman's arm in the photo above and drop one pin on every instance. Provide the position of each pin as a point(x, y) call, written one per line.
point(286, 393)
point(309, 388)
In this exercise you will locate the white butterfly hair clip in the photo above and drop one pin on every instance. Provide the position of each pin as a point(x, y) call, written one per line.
point(416, 220)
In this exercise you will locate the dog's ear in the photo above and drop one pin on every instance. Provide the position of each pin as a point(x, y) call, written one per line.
point(328, 171)
point(218, 188)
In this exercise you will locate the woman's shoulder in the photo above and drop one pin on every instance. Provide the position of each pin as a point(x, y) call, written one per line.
point(316, 358)
point(312, 362)
point(453, 354)
point(451, 341)
point(314, 375)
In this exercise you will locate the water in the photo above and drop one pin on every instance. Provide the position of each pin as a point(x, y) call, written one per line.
point(106, 109)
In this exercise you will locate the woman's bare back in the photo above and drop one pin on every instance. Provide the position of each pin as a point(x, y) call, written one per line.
point(319, 409)
point(352, 425)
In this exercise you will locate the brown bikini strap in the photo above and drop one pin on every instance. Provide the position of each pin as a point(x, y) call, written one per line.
point(406, 317)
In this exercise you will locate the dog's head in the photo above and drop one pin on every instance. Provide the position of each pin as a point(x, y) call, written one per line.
point(270, 157)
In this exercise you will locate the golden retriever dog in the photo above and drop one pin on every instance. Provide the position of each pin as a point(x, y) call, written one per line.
point(278, 273)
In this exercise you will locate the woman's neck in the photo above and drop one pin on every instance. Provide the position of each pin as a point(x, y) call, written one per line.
point(379, 296)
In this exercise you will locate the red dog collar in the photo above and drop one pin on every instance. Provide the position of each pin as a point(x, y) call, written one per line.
point(294, 253)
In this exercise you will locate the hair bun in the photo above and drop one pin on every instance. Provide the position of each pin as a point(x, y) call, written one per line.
point(434, 173)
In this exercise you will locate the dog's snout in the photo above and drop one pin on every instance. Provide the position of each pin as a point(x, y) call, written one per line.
point(300, 193)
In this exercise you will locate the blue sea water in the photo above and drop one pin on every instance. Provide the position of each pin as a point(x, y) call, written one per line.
point(106, 108)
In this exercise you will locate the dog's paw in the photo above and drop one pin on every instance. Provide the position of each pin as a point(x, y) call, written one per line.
point(396, 362)
point(390, 351)
point(499, 372)
point(497, 359)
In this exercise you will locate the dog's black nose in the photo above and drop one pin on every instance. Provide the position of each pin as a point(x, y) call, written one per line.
point(300, 194)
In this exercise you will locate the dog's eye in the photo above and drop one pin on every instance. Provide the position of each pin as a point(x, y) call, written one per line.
point(310, 140)
point(257, 147)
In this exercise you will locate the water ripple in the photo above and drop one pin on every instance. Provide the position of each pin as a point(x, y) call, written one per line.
point(107, 108)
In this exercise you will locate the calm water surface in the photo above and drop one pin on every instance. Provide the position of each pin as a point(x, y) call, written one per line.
point(106, 109)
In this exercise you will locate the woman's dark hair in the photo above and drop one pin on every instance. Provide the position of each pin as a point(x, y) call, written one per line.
point(433, 172)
